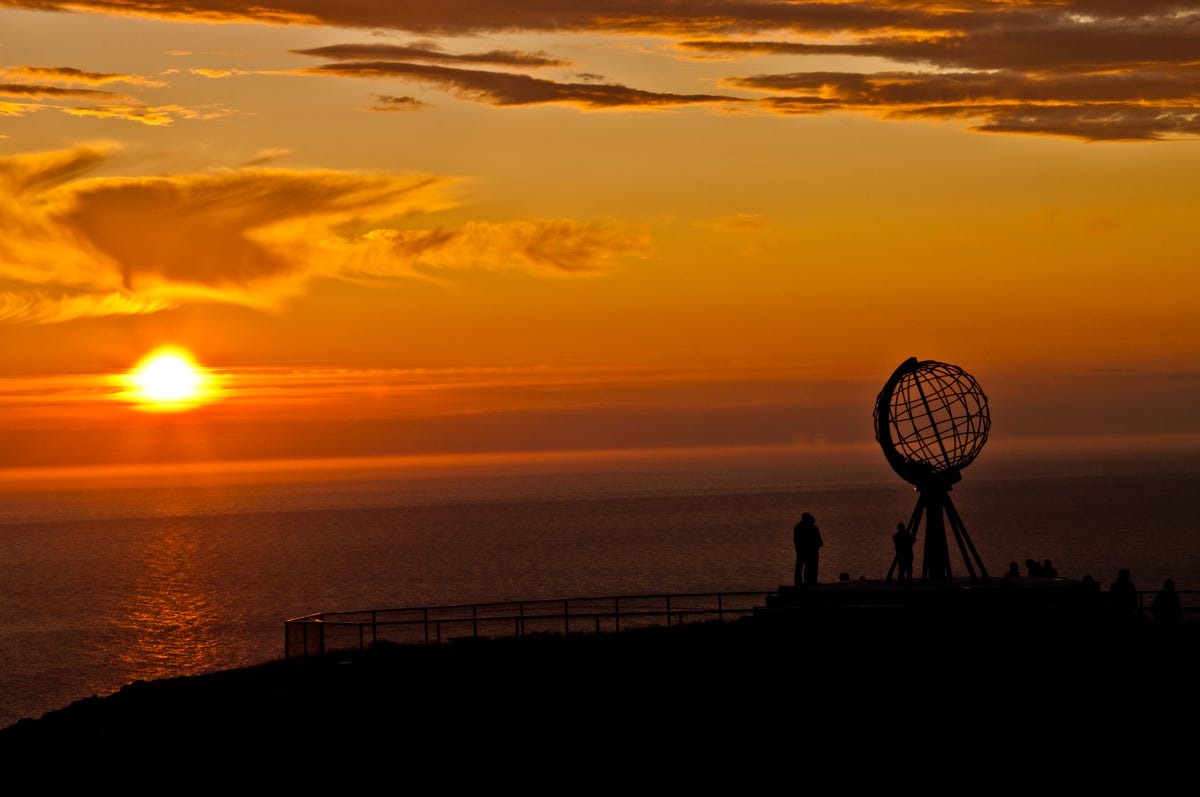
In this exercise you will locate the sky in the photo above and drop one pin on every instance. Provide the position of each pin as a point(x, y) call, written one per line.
point(530, 229)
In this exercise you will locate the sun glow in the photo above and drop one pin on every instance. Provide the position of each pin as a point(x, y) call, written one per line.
point(168, 380)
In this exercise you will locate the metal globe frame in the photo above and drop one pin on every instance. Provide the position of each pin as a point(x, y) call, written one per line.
point(931, 421)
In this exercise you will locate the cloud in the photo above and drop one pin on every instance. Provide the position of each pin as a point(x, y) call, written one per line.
point(429, 52)
point(1111, 122)
point(151, 115)
point(1071, 67)
point(507, 89)
point(33, 90)
point(556, 247)
point(69, 74)
point(106, 104)
point(677, 18)
point(215, 74)
point(1042, 44)
point(465, 17)
point(73, 246)
point(264, 156)
point(1105, 70)
point(385, 103)
point(234, 230)
point(40, 308)
point(220, 74)
point(1117, 106)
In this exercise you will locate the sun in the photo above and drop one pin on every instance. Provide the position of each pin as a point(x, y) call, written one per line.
point(168, 380)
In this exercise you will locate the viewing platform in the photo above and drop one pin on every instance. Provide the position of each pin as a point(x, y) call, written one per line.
point(840, 606)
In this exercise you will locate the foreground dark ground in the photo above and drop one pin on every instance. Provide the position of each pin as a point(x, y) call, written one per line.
point(1048, 674)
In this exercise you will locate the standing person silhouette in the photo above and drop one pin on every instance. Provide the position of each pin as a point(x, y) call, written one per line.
point(806, 538)
point(1122, 595)
point(1166, 608)
point(904, 554)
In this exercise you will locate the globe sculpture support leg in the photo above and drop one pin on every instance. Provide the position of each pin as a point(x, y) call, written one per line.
point(934, 502)
point(935, 569)
point(964, 541)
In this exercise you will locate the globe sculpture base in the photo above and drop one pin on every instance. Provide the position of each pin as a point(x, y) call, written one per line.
point(934, 504)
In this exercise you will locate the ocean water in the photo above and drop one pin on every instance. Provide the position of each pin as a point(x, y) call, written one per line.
point(102, 587)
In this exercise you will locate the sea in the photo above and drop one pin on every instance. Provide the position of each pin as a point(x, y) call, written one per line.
point(102, 585)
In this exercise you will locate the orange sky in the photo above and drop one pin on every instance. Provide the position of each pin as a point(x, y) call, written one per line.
point(463, 227)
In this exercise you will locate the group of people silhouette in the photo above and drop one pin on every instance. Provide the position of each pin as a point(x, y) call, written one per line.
point(1165, 610)
point(1033, 569)
point(807, 540)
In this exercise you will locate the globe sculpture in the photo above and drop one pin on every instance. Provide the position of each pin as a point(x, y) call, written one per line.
point(931, 420)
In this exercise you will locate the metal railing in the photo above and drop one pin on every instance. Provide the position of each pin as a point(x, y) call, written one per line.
point(318, 633)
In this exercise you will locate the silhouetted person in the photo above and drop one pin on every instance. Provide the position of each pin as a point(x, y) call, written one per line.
point(1035, 570)
point(1091, 591)
point(1166, 607)
point(1122, 595)
point(904, 554)
point(806, 537)
point(1048, 569)
point(1013, 571)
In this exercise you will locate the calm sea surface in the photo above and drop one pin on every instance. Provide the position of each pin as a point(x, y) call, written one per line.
point(99, 588)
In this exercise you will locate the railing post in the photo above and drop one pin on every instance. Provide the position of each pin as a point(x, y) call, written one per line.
point(566, 617)
point(374, 629)
point(720, 609)
point(668, 611)
point(425, 612)
point(474, 621)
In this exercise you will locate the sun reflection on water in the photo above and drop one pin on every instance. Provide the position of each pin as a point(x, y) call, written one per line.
point(168, 625)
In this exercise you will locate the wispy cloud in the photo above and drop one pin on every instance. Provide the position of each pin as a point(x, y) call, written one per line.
point(72, 246)
point(508, 89)
point(426, 52)
point(151, 115)
point(41, 308)
point(35, 90)
point(1095, 107)
point(69, 74)
point(102, 104)
point(386, 103)
point(220, 74)
point(554, 247)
